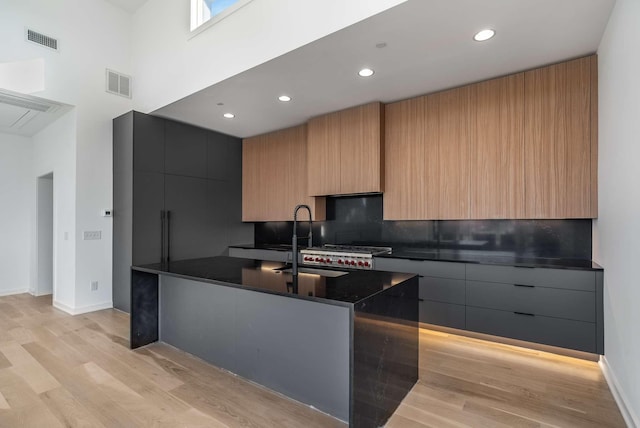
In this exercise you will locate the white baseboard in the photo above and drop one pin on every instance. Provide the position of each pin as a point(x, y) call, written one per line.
point(12, 292)
point(618, 394)
point(33, 293)
point(82, 310)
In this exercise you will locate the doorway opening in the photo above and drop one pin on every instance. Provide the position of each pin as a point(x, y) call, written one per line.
point(44, 235)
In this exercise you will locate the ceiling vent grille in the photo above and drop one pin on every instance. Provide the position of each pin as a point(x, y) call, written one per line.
point(27, 102)
point(118, 83)
point(42, 40)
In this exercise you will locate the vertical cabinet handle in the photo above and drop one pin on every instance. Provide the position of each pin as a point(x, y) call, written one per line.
point(168, 236)
point(162, 217)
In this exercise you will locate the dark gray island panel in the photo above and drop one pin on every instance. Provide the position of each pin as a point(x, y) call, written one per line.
point(271, 340)
point(345, 345)
point(195, 315)
point(296, 347)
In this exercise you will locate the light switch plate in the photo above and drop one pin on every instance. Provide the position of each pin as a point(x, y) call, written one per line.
point(90, 235)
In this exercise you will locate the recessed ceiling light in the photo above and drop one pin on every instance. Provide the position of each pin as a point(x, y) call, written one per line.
point(229, 115)
point(366, 72)
point(284, 98)
point(483, 35)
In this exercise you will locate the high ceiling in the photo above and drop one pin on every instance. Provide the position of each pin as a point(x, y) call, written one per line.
point(130, 6)
point(429, 47)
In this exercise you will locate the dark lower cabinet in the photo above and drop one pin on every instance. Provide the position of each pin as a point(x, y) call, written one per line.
point(564, 333)
point(444, 314)
point(442, 290)
point(545, 301)
point(558, 307)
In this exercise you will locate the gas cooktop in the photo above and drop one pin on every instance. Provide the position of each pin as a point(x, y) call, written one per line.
point(349, 256)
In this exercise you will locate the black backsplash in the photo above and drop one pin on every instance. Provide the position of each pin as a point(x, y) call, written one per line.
point(358, 220)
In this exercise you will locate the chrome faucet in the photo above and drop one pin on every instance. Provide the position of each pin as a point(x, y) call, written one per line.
point(294, 243)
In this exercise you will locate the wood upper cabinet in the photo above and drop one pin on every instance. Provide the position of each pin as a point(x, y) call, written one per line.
point(454, 135)
point(559, 141)
point(427, 157)
point(345, 151)
point(406, 188)
point(497, 148)
point(323, 154)
point(520, 146)
point(274, 176)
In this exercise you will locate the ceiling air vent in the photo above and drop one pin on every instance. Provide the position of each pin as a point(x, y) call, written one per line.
point(27, 102)
point(42, 40)
point(118, 83)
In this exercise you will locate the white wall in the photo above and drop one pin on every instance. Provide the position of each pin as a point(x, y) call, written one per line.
point(169, 66)
point(93, 35)
point(617, 230)
point(54, 150)
point(15, 205)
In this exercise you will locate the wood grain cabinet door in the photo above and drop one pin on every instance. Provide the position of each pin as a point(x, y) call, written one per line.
point(323, 155)
point(454, 136)
point(497, 148)
point(405, 183)
point(361, 143)
point(558, 140)
point(274, 176)
point(427, 157)
point(345, 151)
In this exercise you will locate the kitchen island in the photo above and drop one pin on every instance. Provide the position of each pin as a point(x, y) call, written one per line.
point(344, 342)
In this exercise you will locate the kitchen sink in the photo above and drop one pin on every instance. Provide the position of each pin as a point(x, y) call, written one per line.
point(313, 271)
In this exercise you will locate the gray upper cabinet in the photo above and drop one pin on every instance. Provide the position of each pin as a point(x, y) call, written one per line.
point(161, 166)
point(188, 222)
point(148, 150)
point(224, 154)
point(185, 150)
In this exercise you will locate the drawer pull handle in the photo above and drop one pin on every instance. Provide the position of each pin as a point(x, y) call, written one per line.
point(420, 276)
point(525, 267)
point(420, 300)
point(523, 285)
point(524, 313)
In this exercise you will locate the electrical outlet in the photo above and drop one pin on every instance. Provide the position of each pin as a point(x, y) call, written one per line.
point(94, 285)
point(90, 235)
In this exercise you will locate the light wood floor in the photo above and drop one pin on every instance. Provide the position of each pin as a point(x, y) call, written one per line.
point(63, 371)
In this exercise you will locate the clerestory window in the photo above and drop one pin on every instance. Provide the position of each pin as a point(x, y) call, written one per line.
point(211, 11)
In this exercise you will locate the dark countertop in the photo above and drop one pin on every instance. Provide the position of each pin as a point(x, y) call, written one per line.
point(257, 275)
point(464, 256)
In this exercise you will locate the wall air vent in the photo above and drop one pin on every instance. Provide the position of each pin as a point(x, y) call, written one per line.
point(41, 39)
point(118, 83)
